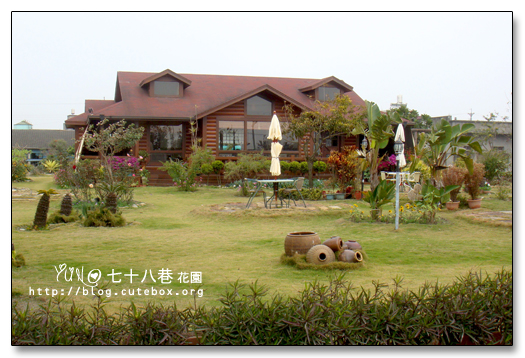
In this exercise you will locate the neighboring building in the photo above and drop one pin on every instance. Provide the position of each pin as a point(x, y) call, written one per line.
point(23, 125)
point(37, 141)
point(233, 113)
point(502, 139)
point(398, 104)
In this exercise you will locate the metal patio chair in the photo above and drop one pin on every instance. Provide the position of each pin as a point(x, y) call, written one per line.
point(298, 185)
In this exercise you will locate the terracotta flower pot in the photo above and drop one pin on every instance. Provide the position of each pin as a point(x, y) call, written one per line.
point(358, 195)
point(320, 255)
point(300, 242)
point(474, 203)
point(452, 205)
point(350, 256)
point(335, 243)
point(352, 245)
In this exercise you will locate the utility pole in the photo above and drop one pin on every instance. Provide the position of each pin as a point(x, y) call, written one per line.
point(471, 113)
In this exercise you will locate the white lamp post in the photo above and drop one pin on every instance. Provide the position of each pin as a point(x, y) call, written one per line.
point(398, 149)
point(364, 146)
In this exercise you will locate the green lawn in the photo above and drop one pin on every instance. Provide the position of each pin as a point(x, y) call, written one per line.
point(178, 231)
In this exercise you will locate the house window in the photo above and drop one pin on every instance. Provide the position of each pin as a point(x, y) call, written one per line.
point(258, 106)
point(231, 135)
point(257, 135)
point(289, 143)
point(162, 88)
point(328, 93)
point(166, 137)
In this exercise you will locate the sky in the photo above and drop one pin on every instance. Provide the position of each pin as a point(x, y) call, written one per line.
point(441, 63)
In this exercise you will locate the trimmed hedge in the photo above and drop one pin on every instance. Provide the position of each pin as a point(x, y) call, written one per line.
point(475, 309)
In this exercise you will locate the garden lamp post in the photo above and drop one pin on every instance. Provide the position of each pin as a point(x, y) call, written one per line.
point(398, 149)
point(364, 145)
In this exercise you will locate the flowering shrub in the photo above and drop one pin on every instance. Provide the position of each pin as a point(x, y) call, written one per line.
point(19, 166)
point(388, 164)
point(408, 214)
point(125, 164)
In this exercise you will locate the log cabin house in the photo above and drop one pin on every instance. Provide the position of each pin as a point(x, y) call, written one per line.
point(233, 113)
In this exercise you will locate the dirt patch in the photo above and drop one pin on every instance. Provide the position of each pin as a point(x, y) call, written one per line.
point(259, 206)
point(494, 218)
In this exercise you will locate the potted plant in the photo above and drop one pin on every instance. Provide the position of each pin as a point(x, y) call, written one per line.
point(472, 185)
point(344, 166)
point(382, 194)
point(330, 184)
point(454, 176)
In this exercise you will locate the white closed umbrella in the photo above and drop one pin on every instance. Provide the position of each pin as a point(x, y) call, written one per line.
point(400, 135)
point(275, 167)
point(275, 135)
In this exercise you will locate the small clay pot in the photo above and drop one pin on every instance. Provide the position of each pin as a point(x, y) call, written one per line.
point(350, 256)
point(335, 243)
point(352, 245)
point(452, 205)
point(320, 255)
point(474, 203)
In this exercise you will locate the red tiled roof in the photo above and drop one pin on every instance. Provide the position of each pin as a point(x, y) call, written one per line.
point(208, 92)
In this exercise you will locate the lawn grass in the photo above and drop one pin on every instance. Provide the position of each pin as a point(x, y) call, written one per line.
point(177, 230)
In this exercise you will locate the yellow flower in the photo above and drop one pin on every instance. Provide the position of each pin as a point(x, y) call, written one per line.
point(390, 211)
point(355, 205)
point(408, 206)
point(439, 209)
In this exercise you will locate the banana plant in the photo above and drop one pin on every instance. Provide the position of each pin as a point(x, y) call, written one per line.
point(444, 141)
point(378, 131)
point(382, 194)
point(432, 197)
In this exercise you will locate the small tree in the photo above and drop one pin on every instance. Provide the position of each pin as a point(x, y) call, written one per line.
point(218, 166)
point(327, 120)
point(247, 165)
point(60, 151)
point(207, 169)
point(108, 139)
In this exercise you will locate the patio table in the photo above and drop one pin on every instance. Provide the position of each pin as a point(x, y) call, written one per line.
point(261, 182)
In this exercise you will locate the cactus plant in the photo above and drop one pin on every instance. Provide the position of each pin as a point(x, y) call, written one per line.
point(66, 206)
point(40, 220)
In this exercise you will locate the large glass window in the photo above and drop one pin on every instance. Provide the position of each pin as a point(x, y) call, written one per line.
point(257, 135)
point(231, 135)
point(328, 93)
point(289, 143)
point(166, 137)
point(162, 88)
point(258, 106)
